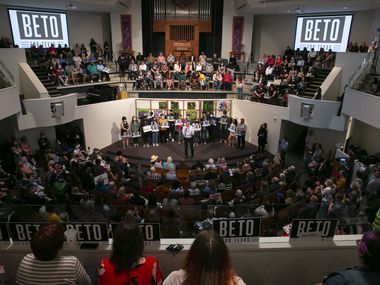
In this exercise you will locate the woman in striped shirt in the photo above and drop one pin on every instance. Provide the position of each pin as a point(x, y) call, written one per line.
point(45, 265)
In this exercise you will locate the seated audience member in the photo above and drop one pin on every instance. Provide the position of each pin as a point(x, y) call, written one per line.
point(227, 81)
point(207, 263)
point(93, 72)
point(369, 271)
point(46, 264)
point(127, 264)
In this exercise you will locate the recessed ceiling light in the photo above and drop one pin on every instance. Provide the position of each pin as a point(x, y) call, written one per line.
point(345, 7)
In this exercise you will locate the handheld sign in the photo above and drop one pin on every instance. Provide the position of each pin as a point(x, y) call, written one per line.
point(170, 118)
point(151, 233)
point(197, 127)
point(165, 125)
point(136, 135)
point(306, 230)
point(238, 230)
point(147, 129)
point(4, 236)
point(155, 128)
point(178, 122)
point(206, 123)
point(86, 232)
point(223, 121)
point(126, 134)
point(232, 128)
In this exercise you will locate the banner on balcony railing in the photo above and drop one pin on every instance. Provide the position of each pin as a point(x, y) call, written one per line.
point(238, 230)
point(86, 232)
point(306, 230)
point(151, 233)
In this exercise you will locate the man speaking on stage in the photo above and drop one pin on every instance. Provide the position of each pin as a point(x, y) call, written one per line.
point(188, 134)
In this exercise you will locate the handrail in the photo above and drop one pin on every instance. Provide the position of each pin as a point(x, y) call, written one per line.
point(362, 70)
point(6, 77)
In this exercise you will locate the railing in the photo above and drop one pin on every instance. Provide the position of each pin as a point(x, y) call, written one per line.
point(6, 78)
point(362, 71)
point(186, 221)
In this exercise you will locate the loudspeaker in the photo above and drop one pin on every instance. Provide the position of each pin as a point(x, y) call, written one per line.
point(306, 111)
point(57, 110)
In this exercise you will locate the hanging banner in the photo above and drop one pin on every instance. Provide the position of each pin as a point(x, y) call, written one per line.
point(126, 33)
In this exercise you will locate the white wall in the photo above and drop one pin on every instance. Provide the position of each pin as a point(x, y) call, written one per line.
point(331, 86)
point(83, 26)
point(9, 102)
point(323, 116)
point(101, 122)
point(136, 26)
point(11, 57)
point(362, 106)
point(272, 33)
point(228, 13)
point(31, 86)
point(349, 62)
point(365, 136)
point(256, 114)
point(39, 112)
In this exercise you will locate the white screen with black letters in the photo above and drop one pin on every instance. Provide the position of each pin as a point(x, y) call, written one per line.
point(327, 32)
point(38, 28)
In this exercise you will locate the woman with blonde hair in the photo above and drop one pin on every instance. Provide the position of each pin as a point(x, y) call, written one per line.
point(207, 263)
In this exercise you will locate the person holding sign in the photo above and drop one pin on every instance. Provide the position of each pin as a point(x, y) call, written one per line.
point(125, 131)
point(135, 129)
point(197, 132)
point(178, 127)
point(207, 262)
point(241, 130)
point(164, 128)
point(155, 129)
point(232, 130)
point(127, 265)
point(147, 129)
point(46, 264)
point(188, 133)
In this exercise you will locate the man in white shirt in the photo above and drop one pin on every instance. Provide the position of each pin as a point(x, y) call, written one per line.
point(188, 134)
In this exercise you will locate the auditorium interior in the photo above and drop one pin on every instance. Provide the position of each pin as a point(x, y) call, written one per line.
point(98, 97)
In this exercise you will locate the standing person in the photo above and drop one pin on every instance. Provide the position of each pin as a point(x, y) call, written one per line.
point(178, 127)
point(123, 64)
point(155, 130)
point(240, 87)
point(232, 135)
point(164, 128)
point(146, 133)
point(127, 263)
point(125, 132)
point(46, 264)
point(197, 132)
point(262, 135)
point(212, 128)
point(284, 147)
point(171, 119)
point(241, 130)
point(135, 130)
point(204, 131)
point(224, 123)
point(188, 134)
point(207, 263)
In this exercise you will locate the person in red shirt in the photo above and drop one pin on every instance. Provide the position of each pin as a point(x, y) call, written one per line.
point(227, 80)
point(127, 265)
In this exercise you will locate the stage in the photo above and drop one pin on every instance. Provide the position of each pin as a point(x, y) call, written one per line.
point(202, 152)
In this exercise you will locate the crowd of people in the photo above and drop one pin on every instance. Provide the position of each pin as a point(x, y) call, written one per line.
point(292, 72)
point(77, 65)
point(154, 129)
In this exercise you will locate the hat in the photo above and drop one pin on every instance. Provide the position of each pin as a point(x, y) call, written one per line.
point(153, 158)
